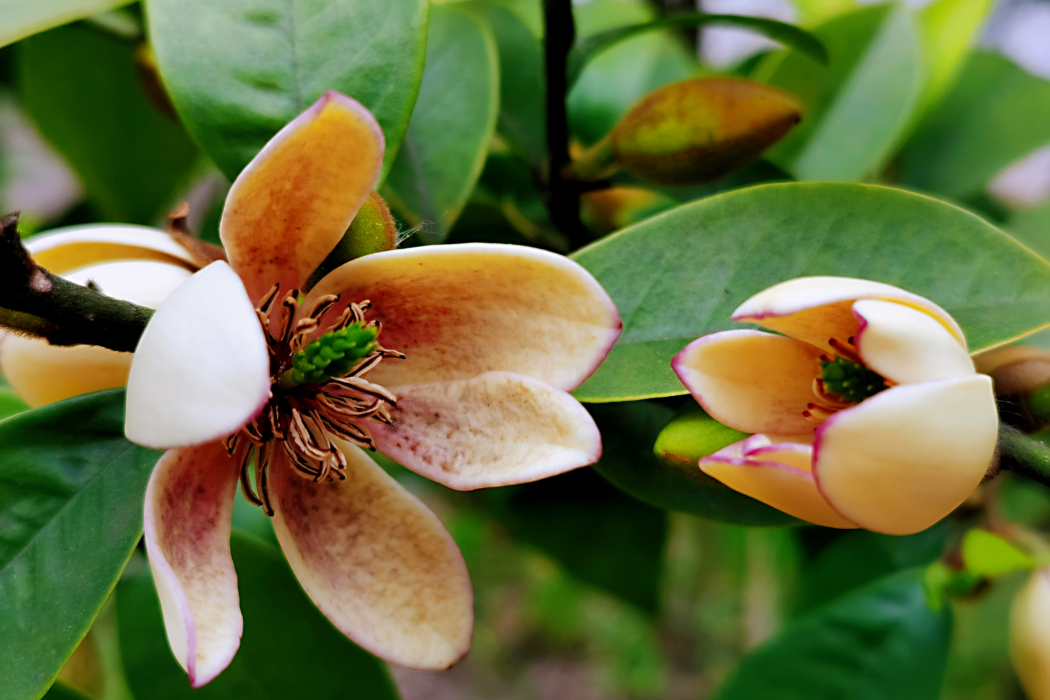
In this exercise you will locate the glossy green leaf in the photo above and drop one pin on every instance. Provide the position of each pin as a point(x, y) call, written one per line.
point(71, 494)
point(982, 126)
point(787, 34)
point(24, 18)
point(289, 649)
point(454, 119)
point(80, 86)
point(873, 79)
point(628, 433)
point(1032, 227)
point(238, 71)
point(985, 554)
point(681, 274)
point(882, 641)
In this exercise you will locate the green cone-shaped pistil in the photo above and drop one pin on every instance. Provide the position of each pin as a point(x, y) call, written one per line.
point(334, 354)
point(851, 381)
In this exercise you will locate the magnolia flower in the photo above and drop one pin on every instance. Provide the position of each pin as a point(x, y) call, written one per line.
point(1030, 636)
point(867, 411)
point(244, 377)
point(133, 263)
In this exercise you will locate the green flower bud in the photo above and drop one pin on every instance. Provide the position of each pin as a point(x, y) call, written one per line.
point(372, 231)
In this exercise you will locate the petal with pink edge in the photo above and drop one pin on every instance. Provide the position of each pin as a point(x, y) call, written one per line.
point(67, 249)
point(907, 345)
point(189, 502)
point(458, 311)
point(776, 474)
point(907, 457)
point(295, 200)
point(815, 309)
point(751, 381)
point(376, 562)
point(493, 430)
point(201, 369)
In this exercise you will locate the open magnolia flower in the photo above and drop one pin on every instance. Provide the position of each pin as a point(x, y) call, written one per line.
point(134, 263)
point(243, 377)
point(867, 411)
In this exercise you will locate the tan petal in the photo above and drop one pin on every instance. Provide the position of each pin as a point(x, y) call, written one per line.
point(294, 201)
point(1030, 636)
point(189, 502)
point(908, 456)
point(751, 381)
point(815, 309)
point(70, 248)
point(493, 430)
point(458, 311)
point(376, 562)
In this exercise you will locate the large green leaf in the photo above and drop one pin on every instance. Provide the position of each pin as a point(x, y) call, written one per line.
point(239, 70)
point(982, 126)
point(23, 18)
point(1032, 227)
point(289, 649)
point(10, 403)
point(81, 88)
point(882, 641)
point(454, 118)
point(71, 494)
point(681, 274)
point(628, 433)
point(857, 106)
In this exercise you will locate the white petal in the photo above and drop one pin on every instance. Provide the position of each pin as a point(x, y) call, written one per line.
point(201, 369)
point(67, 249)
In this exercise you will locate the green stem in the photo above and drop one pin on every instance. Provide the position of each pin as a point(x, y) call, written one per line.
point(1020, 453)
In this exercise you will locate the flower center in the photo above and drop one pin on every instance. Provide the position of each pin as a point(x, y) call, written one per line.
point(843, 381)
point(318, 393)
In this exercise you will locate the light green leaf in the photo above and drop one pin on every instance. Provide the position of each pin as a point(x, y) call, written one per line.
point(681, 274)
point(24, 18)
point(71, 494)
point(80, 86)
point(985, 554)
point(453, 122)
point(289, 649)
point(239, 70)
point(982, 126)
point(882, 641)
point(873, 79)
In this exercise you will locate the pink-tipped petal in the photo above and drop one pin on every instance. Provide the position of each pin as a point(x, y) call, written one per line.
point(458, 311)
point(66, 249)
point(201, 369)
point(905, 458)
point(493, 430)
point(189, 502)
point(815, 309)
point(907, 345)
point(376, 562)
point(752, 381)
point(292, 204)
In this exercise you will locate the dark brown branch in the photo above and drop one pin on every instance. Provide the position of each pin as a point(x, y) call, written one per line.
point(35, 302)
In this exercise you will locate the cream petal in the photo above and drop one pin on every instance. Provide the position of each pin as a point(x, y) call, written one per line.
point(778, 474)
point(493, 430)
point(1030, 636)
point(189, 502)
point(815, 309)
point(376, 562)
point(295, 200)
point(908, 456)
point(67, 249)
point(751, 381)
point(201, 369)
point(907, 345)
point(458, 311)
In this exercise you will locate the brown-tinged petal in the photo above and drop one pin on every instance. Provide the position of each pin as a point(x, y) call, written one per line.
point(70, 248)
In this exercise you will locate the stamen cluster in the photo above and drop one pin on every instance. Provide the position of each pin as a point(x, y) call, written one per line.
point(843, 381)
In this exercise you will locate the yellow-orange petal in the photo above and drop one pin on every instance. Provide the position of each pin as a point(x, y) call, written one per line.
point(376, 562)
point(1030, 636)
point(189, 502)
point(493, 430)
point(66, 249)
point(291, 205)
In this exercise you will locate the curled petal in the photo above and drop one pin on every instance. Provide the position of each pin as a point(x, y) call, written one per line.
point(295, 200)
point(67, 249)
point(189, 502)
point(751, 381)
point(908, 456)
point(815, 309)
point(462, 310)
point(493, 430)
point(201, 369)
point(376, 562)
point(1030, 636)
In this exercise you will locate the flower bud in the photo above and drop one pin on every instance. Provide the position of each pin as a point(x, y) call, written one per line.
point(1030, 636)
point(605, 211)
point(1021, 375)
point(372, 231)
point(690, 436)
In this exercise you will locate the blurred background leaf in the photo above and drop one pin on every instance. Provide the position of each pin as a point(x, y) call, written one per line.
point(24, 18)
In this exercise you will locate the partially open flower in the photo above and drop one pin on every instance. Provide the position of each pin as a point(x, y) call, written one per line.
point(246, 378)
point(867, 411)
point(1030, 636)
point(134, 263)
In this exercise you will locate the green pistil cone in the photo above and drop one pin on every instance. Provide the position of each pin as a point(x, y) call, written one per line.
point(851, 381)
point(332, 355)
